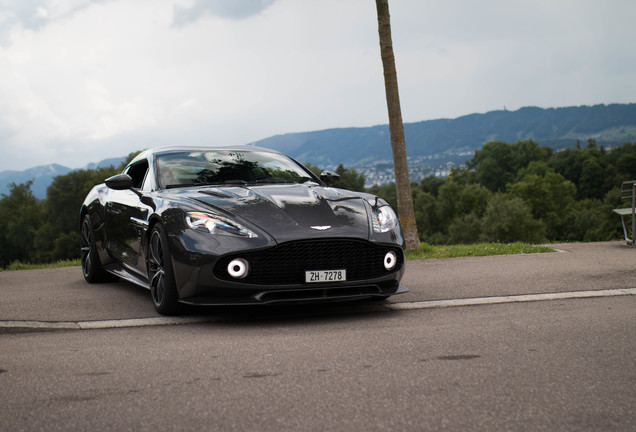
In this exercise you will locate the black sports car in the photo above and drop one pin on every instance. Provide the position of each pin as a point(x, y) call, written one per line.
point(238, 225)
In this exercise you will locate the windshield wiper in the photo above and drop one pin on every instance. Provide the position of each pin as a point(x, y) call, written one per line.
point(216, 183)
point(270, 180)
point(233, 182)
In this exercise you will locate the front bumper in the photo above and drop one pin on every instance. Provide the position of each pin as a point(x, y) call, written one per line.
point(304, 295)
point(277, 274)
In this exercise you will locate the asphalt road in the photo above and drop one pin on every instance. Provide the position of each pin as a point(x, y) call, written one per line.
point(561, 364)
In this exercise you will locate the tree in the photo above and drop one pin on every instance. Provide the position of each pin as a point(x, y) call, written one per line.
point(591, 180)
point(313, 168)
point(624, 158)
point(587, 220)
point(568, 163)
point(431, 184)
point(425, 214)
point(548, 196)
point(57, 238)
point(492, 165)
point(509, 220)
point(465, 229)
point(497, 163)
point(473, 199)
point(526, 151)
point(20, 218)
point(448, 203)
point(66, 194)
point(396, 128)
point(350, 179)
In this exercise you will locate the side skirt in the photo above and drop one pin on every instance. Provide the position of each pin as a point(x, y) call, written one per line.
point(122, 272)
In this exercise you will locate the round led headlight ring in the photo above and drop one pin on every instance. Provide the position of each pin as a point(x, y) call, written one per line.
point(238, 268)
point(390, 260)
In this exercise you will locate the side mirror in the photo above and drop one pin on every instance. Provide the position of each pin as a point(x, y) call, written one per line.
point(119, 182)
point(329, 177)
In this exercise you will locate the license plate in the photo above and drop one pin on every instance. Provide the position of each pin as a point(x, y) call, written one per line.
point(325, 276)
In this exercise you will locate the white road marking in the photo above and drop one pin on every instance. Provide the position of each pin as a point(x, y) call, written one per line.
point(510, 299)
point(160, 321)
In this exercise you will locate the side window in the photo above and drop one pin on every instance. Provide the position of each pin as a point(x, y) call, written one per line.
point(138, 173)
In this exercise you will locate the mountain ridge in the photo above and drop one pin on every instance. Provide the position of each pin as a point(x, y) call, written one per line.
point(42, 175)
point(554, 127)
point(435, 146)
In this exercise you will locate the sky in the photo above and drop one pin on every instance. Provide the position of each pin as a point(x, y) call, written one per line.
point(86, 80)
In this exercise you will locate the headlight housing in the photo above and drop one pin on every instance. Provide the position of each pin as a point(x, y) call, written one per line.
point(216, 224)
point(384, 219)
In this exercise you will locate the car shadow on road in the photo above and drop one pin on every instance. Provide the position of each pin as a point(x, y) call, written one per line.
point(124, 300)
point(288, 314)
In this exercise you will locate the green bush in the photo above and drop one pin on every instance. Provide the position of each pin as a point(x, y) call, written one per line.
point(509, 220)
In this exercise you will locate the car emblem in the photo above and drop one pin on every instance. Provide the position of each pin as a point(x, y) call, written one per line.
point(321, 227)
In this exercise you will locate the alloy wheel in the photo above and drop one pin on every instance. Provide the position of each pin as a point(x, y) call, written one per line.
point(156, 268)
point(85, 248)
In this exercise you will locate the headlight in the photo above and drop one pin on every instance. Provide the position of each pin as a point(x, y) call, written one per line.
point(216, 224)
point(384, 219)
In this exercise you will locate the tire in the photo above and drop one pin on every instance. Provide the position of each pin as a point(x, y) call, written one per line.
point(163, 287)
point(91, 264)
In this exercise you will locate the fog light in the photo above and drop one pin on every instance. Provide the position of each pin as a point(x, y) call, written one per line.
point(238, 268)
point(390, 260)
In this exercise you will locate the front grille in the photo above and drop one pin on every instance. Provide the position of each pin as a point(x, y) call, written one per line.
point(286, 264)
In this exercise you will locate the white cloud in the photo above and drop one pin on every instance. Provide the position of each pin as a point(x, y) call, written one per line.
point(82, 80)
point(184, 15)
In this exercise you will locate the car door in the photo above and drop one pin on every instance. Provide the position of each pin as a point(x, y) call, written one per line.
point(126, 219)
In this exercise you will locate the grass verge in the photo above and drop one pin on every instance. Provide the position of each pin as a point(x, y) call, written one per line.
point(482, 249)
point(18, 265)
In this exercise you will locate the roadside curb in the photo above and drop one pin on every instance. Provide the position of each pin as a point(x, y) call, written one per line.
point(103, 324)
point(36, 326)
point(511, 299)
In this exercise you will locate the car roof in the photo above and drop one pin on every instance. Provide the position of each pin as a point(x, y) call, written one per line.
point(172, 149)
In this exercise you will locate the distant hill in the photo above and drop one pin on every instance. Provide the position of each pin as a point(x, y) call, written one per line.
point(106, 163)
point(42, 176)
point(433, 146)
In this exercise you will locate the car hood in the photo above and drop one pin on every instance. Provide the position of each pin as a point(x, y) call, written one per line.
point(292, 211)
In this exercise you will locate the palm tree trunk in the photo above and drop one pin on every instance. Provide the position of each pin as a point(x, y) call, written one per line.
point(396, 129)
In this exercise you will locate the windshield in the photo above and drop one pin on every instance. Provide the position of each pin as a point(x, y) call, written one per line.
point(192, 168)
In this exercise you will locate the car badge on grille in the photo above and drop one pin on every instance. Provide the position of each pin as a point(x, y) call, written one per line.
point(321, 227)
